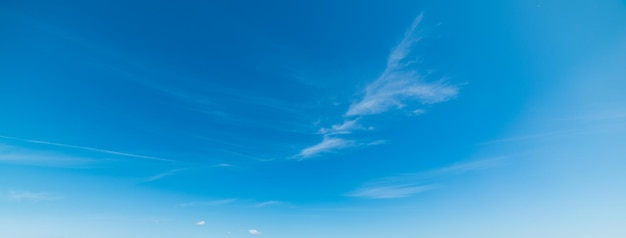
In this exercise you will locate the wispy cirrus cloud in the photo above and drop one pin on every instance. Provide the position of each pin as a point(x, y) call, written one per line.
point(207, 203)
point(267, 203)
point(87, 148)
point(162, 175)
point(401, 82)
point(399, 85)
point(22, 156)
point(329, 143)
point(347, 127)
point(390, 191)
point(470, 166)
point(31, 196)
point(406, 185)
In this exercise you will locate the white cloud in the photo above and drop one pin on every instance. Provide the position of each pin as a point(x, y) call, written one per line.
point(398, 85)
point(268, 203)
point(254, 232)
point(207, 203)
point(471, 166)
point(87, 148)
point(157, 220)
point(400, 82)
point(18, 155)
point(390, 191)
point(162, 175)
point(378, 142)
point(327, 144)
point(409, 184)
point(417, 112)
point(398, 88)
point(31, 196)
point(344, 128)
point(200, 223)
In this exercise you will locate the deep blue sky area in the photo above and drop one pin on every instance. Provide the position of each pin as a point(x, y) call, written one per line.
point(313, 119)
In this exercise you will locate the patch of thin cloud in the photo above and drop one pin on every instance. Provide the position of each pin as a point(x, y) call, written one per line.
point(535, 137)
point(207, 203)
point(87, 148)
point(157, 220)
point(397, 89)
point(162, 175)
point(418, 112)
point(390, 191)
point(254, 232)
point(472, 166)
point(200, 223)
point(31, 196)
point(328, 144)
point(22, 156)
point(347, 127)
point(401, 82)
point(399, 85)
point(268, 203)
point(377, 142)
point(406, 185)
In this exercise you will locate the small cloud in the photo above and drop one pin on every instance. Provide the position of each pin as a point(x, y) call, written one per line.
point(23, 156)
point(400, 83)
point(344, 128)
point(157, 220)
point(471, 166)
point(118, 153)
point(200, 223)
point(418, 112)
point(254, 232)
point(268, 203)
point(206, 203)
point(378, 142)
point(327, 144)
point(384, 96)
point(390, 191)
point(409, 184)
point(223, 165)
point(399, 86)
point(162, 175)
point(31, 196)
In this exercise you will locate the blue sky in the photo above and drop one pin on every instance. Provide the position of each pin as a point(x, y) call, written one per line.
point(313, 119)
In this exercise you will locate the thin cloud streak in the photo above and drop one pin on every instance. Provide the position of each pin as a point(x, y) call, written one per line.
point(268, 203)
point(399, 84)
point(535, 137)
point(327, 144)
point(88, 149)
point(207, 203)
point(31, 196)
point(391, 191)
point(346, 127)
point(17, 155)
point(406, 185)
point(469, 166)
point(162, 175)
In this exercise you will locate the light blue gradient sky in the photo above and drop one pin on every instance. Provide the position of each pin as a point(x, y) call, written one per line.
point(313, 119)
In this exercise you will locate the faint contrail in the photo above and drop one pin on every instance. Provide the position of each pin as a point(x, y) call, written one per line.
point(88, 148)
